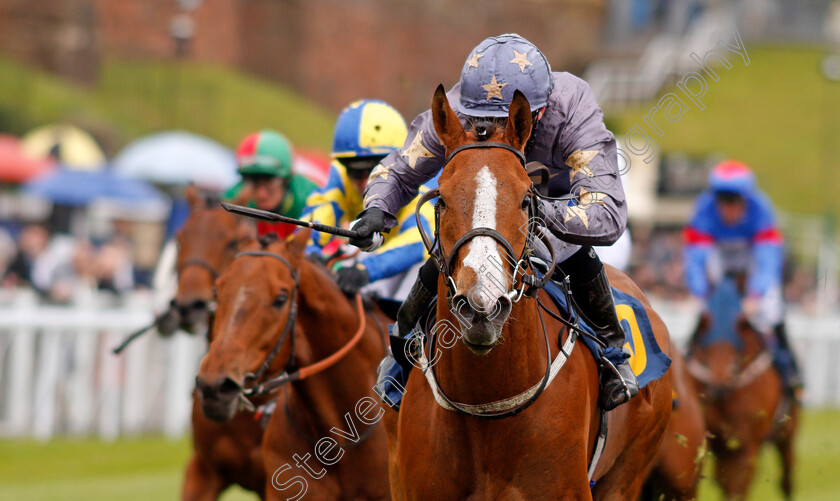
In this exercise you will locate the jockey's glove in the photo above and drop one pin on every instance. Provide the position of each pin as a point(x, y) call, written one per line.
point(352, 278)
point(369, 226)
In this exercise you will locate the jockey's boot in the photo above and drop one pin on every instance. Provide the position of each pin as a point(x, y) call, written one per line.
point(389, 371)
point(788, 367)
point(595, 299)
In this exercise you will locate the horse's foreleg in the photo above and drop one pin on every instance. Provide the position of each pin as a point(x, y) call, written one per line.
point(784, 443)
point(734, 470)
point(201, 482)
point(391, 423)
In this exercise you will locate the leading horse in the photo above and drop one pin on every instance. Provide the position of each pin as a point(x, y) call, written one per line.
point(440, 446)
point(282, 322)
point(224, 453)
point(742, 394)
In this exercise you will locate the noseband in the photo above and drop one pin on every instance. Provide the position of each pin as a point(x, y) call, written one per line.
point(530, 283)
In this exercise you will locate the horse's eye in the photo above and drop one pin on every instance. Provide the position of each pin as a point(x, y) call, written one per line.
point(280, 300)
point(232, 245)
point(526, 202)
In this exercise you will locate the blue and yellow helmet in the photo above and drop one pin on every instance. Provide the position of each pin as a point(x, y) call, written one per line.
point(367, 128)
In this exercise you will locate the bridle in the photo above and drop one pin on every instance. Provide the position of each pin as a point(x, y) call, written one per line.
point(530, 283)
point(260, 385)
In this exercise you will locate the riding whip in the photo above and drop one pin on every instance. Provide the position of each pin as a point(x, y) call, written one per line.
point(270, 216)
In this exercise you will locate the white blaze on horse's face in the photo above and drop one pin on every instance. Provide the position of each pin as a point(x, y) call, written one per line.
point(481, 306)
point(484, 251)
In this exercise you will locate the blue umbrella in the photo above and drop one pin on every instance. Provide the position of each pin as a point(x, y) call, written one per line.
point(78, 188)
point(178, 158)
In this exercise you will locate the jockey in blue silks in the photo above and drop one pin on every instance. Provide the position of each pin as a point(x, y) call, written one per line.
point(734, 232)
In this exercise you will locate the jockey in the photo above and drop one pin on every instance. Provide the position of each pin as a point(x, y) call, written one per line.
point(733, 231)
point(569, 137)
point(365, 132)
point(265, 163)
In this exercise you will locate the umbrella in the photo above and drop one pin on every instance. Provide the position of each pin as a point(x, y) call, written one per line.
point(16, 165)
point(77, 188)
point(68, 144)
point(178, 158)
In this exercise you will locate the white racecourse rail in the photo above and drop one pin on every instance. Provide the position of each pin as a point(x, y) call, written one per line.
point(58, 376)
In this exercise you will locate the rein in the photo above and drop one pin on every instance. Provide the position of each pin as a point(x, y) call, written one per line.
point(444, 261)
point(531, 284)
point(271, 385)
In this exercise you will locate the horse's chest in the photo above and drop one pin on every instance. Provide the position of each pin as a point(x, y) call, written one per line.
point(449, 458)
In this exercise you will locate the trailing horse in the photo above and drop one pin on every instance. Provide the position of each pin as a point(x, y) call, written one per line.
point(283, 324)
point(742, 394)
point(679, 462)
point(449, 440)
point(224, 453)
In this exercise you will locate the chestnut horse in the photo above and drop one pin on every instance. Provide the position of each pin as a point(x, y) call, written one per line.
point(230, 452)
point(440, 446)
point(679, 462)
point(742, 395)
point(282, 319)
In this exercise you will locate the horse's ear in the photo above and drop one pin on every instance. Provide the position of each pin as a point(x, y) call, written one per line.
point(518, 128)
point(297, 244)
point(194, 198)
point(447, 125)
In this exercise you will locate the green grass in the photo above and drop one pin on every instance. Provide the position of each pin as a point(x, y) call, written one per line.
point(151, 468)
point(132, 99)
point(778, 114)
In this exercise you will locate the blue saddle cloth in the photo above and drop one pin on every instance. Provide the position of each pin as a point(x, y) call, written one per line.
point(647, 360)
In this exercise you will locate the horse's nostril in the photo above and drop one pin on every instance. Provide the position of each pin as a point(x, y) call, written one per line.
point(229, 387)
point(222, 388)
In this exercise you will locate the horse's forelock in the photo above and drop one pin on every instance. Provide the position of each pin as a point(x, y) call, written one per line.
point(484, 128)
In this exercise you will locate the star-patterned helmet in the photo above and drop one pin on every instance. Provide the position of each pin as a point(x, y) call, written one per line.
point(368, 128)
point(732, 177)
point(265, 153)
point(497, 67)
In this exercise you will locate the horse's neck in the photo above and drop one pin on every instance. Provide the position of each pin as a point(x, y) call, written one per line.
point(328, 321)
point(512, 366)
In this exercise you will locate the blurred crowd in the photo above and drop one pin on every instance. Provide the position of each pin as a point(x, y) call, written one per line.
point(59, 266)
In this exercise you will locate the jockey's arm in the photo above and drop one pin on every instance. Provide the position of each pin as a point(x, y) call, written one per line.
point(403, 248)
point(598, 213)
point(768, 253)
point(699, 241)
point(403, 171)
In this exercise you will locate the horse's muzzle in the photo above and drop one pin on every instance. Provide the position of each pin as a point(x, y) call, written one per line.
point(219, 398)
point(481, 326)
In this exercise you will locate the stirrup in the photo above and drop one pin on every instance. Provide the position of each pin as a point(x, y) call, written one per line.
point(630, 388)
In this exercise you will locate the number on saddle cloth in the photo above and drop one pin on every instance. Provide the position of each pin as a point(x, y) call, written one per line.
point(647, 360)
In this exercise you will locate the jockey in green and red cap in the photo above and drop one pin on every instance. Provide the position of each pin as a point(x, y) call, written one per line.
point(265, 163)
